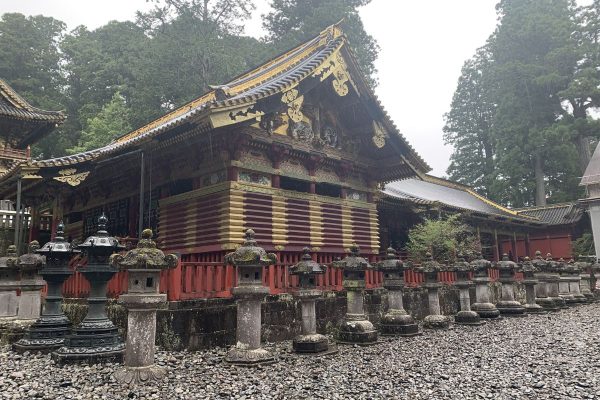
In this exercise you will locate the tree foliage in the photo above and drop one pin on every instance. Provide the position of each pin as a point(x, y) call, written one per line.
point(444, 239)
point(294, 21)
point(519, 121)
point(112, 120)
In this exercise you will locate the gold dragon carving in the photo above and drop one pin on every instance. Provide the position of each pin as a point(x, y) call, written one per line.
point(70, 177)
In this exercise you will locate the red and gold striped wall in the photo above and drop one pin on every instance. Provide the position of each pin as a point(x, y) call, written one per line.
point(215, 218)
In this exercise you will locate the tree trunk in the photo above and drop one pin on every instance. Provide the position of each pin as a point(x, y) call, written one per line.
point(540, 185)
point(584, 152)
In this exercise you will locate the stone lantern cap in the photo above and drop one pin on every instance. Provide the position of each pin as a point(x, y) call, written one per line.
point(461, 265)
point(528, 267)
point(480, 264)
point(101, 244)
point(31, 261)
point(307, 266)
point(9, 262)
point(573, 268)
point(250, 254)
point(430, 266)
point(145, 256)
point(391, 263)
point(540, 264)
point(583, 263)
point(58, 248)
point(506, 264)
point(353, 261)
point(552, 266)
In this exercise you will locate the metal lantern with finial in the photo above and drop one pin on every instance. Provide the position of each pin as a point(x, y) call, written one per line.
point(396, 321)
point(50, 330)
point(249, 259)
point(9, 284)
point(507, 305)
point(96, 338)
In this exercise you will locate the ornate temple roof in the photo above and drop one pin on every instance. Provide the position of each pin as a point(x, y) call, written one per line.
point(555, 214)
point(39, 122)
point(430, 190)
point(248, 95)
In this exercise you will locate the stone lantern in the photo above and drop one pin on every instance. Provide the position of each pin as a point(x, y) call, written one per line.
point(507, 305)
point(542, 289)
point(142, 300)
point(249, 260)
point(9, 284)
point(553, 269)
point(574, 274)
point(50, 330)
point(435, 319)
point(96, 338)
point(396, 321)
point(595, 274)
point(564, 290)
point(31, 284)
point(585, 284)
point(483, 305)
point(307, 271)
point(355, 328)
point(529, 281)
point(465, 316)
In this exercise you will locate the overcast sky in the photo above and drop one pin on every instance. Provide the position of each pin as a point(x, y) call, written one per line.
point(423, 46)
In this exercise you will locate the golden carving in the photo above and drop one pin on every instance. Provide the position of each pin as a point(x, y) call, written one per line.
point(279, 247)
point(69, 176)
point(379, 134)
point(294, 103)
point(335, 65)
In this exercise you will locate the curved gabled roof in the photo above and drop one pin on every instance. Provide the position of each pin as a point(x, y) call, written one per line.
point(12, 105)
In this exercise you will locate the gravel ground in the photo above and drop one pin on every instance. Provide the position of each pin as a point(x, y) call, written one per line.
point(551, 356)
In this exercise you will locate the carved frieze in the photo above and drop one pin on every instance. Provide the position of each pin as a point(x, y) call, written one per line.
point(253, 177)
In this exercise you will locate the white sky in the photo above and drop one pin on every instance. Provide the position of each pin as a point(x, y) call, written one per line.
point(423, 46)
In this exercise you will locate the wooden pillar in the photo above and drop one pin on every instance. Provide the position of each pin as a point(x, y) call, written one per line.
point(514, 247)
point(479, 238)
point(34, 226)
point(527, 247)
point(312, 188)
point(232, 173)
point(276, 181)
point(496, 246)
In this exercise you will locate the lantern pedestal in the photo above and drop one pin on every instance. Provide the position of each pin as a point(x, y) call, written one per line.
point(248, 351)
point(564, 290)
point(96, 339)
point(553, 291)
point(49, 331)
point(435, 319)
point(466, 316)
point(531, 307)
point(141, 334)
point(356, 329)
point(541, 292)
point(585, 286)
point(309, 341)
point(507, 305)
point(483, 306)
point(397, 321)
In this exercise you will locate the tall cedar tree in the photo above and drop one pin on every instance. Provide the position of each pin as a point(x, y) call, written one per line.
point(294, 21)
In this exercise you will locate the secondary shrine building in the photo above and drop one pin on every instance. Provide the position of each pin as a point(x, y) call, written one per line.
point(295, 149)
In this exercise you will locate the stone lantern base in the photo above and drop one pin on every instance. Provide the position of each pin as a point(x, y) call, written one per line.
point(239, 355)
point(547, 303)
point(511, 308)
point(46, 334)
point(398, 323)
point(560, 302)
point(468, 318)
point(569, 299)
point(534, 309)
point(139, 375)
point(589, 297)
point(360, 332)
point(486, 310)
point(315, 343)
point(436, 322)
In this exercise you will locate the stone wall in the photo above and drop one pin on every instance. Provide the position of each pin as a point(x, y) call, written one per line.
point(204, 323)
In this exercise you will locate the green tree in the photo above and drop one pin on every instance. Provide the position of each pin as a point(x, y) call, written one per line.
point(468, 125)
point(444, 239)
point(295, 21)
point(113, 120)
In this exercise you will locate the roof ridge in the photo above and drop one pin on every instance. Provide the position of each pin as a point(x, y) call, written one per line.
point(546, 207)
point(18, 101)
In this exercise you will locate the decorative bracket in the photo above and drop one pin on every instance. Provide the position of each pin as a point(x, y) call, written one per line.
point(70, 177)
point(294, 103)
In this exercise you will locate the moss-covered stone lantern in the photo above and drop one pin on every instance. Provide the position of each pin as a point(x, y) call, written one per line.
point(50, 330)
point(9, 285)
point(307, 272)
point(483, 306)
point(585, 285)
point(465, 316)
point(142, 300)
point(96, 339)
point(529, 281)
point(430, 270)
point(553, 271)
point(542, 289)
point(507, 305)
point(574, 275)
point(396, 321)
point(355, 328)
point(249, 259)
